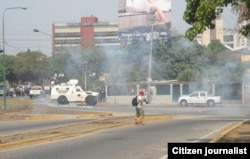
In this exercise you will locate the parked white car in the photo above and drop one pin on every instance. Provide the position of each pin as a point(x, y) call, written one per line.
point(36, 91)
point(199, 97)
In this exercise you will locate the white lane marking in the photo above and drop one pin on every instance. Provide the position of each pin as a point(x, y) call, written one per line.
point(213, 132)
point(164, 157)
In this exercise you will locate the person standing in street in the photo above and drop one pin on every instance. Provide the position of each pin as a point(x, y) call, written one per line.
point(139, 109)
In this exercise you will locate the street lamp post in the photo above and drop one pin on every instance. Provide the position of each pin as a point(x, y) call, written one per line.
point(150, 65)
point(3, 50)
point(36, 30)
point(53, 60)
point(85, 68)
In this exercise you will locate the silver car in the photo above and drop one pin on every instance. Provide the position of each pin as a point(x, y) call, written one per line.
point(2, 90)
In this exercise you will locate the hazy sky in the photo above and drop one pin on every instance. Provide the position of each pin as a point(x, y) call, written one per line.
point(40, 14)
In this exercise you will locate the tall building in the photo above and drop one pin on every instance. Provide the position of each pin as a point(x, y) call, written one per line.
point(215, 34)
point(232, 39)
point(88, 31)
point(243, 42)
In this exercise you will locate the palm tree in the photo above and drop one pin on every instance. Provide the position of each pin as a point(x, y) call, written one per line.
point(242, 9)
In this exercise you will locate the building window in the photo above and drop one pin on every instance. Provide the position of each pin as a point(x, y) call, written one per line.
point(228, 38)
point(100, 41)
point(100, 34)
point(74, 34)
point(185, 89)
point(68, 41)
point(163, 90)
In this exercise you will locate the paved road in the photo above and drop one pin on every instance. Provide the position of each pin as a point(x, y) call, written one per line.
point(230, 111)
point(190, 124)
point(241, 111)
point(137, 142)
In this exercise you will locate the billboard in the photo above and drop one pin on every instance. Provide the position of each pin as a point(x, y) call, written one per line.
point(141, 18)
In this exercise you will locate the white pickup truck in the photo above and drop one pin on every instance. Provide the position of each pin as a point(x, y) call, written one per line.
point(199, 97)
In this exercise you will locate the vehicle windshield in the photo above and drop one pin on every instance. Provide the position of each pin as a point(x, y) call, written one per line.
point(194, 95)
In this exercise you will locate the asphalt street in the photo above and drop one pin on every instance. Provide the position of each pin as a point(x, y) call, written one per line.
point(131, 141)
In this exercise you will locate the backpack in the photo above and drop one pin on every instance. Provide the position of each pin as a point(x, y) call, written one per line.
point(134, 101)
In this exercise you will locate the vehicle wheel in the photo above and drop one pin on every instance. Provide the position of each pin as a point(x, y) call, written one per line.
point(62, 100)
point(30, 96)
point(184, 103)
point(210, 103)
point(90, 100)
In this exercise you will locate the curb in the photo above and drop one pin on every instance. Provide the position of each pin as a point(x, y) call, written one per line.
point(90, 115)
point(160, 117)
point(60, 116)
point(225, 132)
point(94, 115)
point(44, 117)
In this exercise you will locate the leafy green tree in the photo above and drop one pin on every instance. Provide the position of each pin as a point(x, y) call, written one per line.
point(26, 66)
point(213, 49)
point(60, 64)
point(185, 60)
point(179, 59)
point(185, 75)
point(242, 9)
point(200, 14)
point(129, 63)
point(76, 62)
point(10, 69)
point(31, 66)
point(93, 62)
point(137, 56)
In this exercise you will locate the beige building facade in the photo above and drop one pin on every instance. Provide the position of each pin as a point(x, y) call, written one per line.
point(88, 30)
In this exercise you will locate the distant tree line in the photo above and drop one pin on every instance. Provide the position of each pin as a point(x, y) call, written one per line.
point(175, 59)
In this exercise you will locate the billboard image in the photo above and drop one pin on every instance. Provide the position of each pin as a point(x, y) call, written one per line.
point(138, 18)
